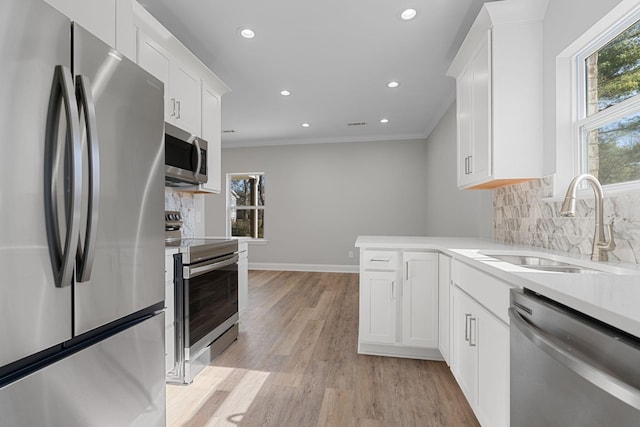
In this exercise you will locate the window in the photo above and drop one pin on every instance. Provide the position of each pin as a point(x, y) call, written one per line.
point(608, 123)
point(245, 205)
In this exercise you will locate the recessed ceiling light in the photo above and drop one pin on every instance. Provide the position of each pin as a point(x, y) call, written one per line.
point(408, 14)
point(285, 93)
point(247, 33)
point(393, 84)
point(384, 120)
point(305, 125)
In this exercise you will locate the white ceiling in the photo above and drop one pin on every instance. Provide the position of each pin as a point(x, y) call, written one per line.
point(335, 56)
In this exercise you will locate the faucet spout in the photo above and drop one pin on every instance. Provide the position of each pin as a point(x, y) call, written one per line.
point(600, 244)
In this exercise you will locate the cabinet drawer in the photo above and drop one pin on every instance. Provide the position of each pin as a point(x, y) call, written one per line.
point(379, 260)
point(489, 291)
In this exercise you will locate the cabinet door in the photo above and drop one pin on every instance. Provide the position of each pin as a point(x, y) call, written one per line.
point(184, 90)
point(444, 279)
point(211, 132)
point(465, 349)
point(420, 300)
point(464, 121)
point(97, 16)
point(243, 278)
point(155, 59)
point(480, 162)
point(493, 370)
point(378, 291)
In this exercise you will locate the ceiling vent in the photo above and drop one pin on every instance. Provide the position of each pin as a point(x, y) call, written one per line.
point(357, 124)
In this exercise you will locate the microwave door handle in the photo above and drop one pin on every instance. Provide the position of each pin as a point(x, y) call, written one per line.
point(62, 93)
point(86, 254)
point(196, 142)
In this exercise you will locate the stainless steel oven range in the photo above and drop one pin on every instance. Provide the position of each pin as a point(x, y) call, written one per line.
point(206, 303)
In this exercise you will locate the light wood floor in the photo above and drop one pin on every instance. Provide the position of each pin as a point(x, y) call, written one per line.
point(295, 364)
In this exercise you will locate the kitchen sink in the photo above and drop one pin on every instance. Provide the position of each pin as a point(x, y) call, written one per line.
point(528, 260)
point(541, 263)
point(568, 268)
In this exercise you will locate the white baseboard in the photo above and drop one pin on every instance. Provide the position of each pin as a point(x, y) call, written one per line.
point(317, 268)
point(400, 351)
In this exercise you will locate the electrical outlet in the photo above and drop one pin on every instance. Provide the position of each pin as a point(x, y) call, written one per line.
point(350, 254)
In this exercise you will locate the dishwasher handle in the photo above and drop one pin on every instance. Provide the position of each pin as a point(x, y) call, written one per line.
point(552, 346)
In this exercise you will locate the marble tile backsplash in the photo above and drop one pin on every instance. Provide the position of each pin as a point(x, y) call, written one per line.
point(185, 203)
point(521, 216)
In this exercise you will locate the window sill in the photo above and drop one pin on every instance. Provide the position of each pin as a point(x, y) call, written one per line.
point(611, 190)
point(252, 241)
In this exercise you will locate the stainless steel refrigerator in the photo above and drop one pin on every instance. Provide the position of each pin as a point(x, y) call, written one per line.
point(81, 228)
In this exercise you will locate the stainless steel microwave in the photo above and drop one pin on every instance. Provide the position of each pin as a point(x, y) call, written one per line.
point(185, 158)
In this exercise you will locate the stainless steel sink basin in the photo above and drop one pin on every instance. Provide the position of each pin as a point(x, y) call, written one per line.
point(544, 264)
point(526, 261)
point(568, 268)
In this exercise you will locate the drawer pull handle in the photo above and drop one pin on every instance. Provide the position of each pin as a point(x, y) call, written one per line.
point(467, 336)
point(473, 343)
point(380, 259)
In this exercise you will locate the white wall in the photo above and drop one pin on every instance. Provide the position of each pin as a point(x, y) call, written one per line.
point(320, 197)
point(451, 212)
point(564, 22)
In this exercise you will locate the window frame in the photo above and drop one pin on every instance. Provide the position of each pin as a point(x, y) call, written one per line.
point(584, 124)
point(229, 207)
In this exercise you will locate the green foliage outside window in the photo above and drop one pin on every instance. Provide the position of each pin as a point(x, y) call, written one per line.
point(613, 76)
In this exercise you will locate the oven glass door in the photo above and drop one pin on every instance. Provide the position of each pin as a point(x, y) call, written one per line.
point(212, 299)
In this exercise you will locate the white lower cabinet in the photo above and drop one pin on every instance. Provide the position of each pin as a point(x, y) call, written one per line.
point(493, 371)
point(398, 303)
point(480, 354)
point(243, 276)
point(378, 307)
point(169, 318)
point(465, 344)
point(420, 299)
point(444, 307)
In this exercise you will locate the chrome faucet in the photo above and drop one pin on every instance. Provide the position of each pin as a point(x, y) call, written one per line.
point(600, 244)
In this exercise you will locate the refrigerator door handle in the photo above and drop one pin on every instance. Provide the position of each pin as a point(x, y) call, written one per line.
point(86, 254)
point(62, 258)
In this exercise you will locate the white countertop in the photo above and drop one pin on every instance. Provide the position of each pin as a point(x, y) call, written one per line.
point(610, 298)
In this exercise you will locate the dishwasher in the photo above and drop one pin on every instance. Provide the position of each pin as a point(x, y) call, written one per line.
point(568, 369)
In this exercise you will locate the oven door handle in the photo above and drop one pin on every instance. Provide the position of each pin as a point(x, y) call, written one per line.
point(554, 348)
point(206, 268)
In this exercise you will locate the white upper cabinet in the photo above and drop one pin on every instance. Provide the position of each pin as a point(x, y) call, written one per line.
point(498, 70)
point(155, 59)
point(181, 82)
point(192, 93)
point(212, 132)
point(184, 92)
point(97, 16)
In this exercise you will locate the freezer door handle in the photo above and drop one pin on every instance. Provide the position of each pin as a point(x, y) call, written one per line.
point(554, 347)
point(86, 104)
point(68, 159)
